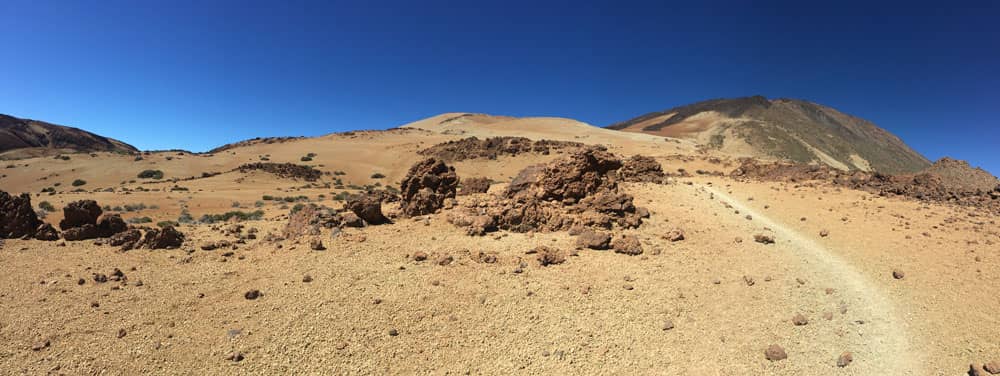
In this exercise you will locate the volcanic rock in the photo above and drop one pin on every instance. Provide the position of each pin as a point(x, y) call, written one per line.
point(368, 207)
point(80, 213)
point(425, 187)
point(17, 217)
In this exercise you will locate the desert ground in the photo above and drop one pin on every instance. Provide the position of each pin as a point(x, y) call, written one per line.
point(904, 286)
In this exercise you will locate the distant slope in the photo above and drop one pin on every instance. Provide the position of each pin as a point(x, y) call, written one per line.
point(790, 129)
point(23, 138)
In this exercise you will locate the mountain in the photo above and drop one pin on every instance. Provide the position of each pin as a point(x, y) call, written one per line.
point(791, 129)
point(23, 138)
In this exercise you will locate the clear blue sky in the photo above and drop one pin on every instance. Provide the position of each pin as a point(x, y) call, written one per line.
point(197, 74)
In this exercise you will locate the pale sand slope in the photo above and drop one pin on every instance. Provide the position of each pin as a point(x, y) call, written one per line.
point(478, 318)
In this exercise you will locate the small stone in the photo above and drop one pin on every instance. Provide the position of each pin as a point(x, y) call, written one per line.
point(40, 345)
point(748, 280)
point(824, 233)
point(845, 359)
point(828, 316)
point(799, 320)
point(121, 333)
point(419, 256)
point(235, 356)
point(81, 281)
point(252, 294)
point(667, 325)
point(628, 287)
point(763, 239)
point(393, 332)
point(317, 245)
point(307, 278)
point(775, 353)
point(976, 370)
point(675, 235)
point(898, 274)
point(445, 260)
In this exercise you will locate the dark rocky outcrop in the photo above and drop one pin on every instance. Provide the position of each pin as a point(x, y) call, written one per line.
point(17, 217)
point(493, 147)
point(284, 170)
point(425, 187)
point(79, 213)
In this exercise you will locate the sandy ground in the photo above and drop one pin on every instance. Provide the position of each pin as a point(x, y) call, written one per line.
point(597, 313)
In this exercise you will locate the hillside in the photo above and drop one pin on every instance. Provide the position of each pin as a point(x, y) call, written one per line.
point(25, 138)
point(791, 129)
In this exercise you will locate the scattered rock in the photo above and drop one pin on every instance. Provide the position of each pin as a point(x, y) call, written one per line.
point(253, 294)
point(419, 256)
point(845, 359)
point(799, 320)
point(165, 238)
point(41, 345)
point(393, 332)
point(640, 168)
point(775, 353)
point(627, 244)
point(316, 244)
point(445, 260)
point(591, 239)
point(898, 274)
point(549, 256)
point(234, 356)
point(46, 232)
point(824, 233)
point(127, 239)
point(284, 170)
point(121, 333)
point(674, 235)
point(307, 278)
point(668, 325)
point(764, 239)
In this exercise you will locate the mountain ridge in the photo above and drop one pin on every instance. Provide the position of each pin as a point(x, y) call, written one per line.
point(782, 128)
point(25, 138)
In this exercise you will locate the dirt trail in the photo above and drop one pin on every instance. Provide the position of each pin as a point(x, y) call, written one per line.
point(885, 340)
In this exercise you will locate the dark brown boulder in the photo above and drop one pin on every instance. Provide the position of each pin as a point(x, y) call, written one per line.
point(475, 185)
point(127, 239)
point(368, 207)
point(110, 224)
point(427, 184)
point(46, 232)
point(166, 238)
point(79, 213)
point(593, 240)
point(17, 217)
point(84, 232)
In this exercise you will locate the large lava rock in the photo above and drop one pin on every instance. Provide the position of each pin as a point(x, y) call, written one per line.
point(17, 217)
point(166, 238)
point(567, 179)
point(368, 207)
point(640, 168)
point(426, 186)
point(80, 213)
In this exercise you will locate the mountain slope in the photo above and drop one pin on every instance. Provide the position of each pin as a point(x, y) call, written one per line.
point(20, 138)
point(790, 129)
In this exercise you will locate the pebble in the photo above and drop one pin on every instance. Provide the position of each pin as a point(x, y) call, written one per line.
point(845, 359)
point(252, 294)
point(775, 353)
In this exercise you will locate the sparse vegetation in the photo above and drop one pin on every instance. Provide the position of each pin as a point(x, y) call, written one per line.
point(162, 224)
point(241, 215)
point(46, 206)
point(79, 182)
point(306, 159)
point(151, 174)
point(139, 220)
point(377, 175)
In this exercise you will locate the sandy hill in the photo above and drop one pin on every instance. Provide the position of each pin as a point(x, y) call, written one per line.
point(22, 138)
point(790, 129)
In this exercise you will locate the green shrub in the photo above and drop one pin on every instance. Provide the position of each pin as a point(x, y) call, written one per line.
point(137, 220)
point(162, 224)
point(46, 206)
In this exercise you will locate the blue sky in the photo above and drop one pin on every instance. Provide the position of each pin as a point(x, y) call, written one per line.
point(197, 74)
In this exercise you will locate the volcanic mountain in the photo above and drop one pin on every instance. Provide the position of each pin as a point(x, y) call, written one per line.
point(782, 128)
point(25, 138)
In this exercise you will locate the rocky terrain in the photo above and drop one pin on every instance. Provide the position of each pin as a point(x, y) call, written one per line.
point(20, 138)
point(787, 129)
point(475, 244)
